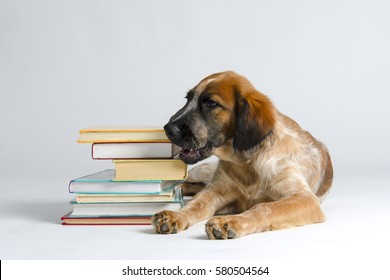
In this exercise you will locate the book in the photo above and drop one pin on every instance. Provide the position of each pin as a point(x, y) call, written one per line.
point(110, 134)
point(126, 209)
point(163, 169)
point(134, 150)
point(103, 183)
point(125, 220)
point(112, 198)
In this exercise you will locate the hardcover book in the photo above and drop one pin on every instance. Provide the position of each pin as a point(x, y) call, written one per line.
point(125, 220)
point(133, 170)
point(114, 198)
point(103, 183)
point(126, 209)
point(134, 150)
point(110, 134)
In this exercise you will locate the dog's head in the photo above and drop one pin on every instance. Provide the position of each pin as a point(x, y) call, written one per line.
point(223, 109)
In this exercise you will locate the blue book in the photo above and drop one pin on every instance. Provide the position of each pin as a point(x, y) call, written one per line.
point(103, 183)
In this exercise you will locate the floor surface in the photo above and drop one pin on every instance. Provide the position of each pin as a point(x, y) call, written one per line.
point(358, 226)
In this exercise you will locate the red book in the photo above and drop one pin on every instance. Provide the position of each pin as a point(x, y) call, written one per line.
point(90, 221)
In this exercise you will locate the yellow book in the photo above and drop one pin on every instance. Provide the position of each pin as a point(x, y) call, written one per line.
point(142, 170)
point(118, 134)
point(121, 198)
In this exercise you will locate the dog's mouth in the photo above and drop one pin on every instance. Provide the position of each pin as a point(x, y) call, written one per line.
point(192, 156)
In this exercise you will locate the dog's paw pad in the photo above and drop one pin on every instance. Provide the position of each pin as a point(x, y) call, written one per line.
point(217, 234)
point(164, 228)
point(217, 229)
point(230, 232)
point(167, 222)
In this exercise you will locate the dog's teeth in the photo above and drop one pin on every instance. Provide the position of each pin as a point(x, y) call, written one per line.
point(190, 152)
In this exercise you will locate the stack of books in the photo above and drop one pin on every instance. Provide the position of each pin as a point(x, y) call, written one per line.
point(144, 180)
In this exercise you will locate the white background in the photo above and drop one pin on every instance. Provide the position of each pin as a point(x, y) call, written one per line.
point(67, 65)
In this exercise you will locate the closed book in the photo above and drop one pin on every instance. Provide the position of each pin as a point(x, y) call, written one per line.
point(103, 183)
point(125, 220)
point(168, 169)
point(114, 198)
point(134, 150)
point(126, 209)
point(109, 134)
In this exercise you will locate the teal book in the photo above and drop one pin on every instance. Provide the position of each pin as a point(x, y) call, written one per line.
point(103, 183)
point(146, 208)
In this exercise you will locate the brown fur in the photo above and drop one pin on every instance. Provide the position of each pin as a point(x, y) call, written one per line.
point(271, 174)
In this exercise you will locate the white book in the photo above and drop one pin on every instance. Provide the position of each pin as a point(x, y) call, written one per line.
point(134, 150)
point(122, 198)
point(126, 209)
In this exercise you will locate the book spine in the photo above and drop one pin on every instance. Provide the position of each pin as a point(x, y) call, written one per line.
point(147, 154)
point(150, 169)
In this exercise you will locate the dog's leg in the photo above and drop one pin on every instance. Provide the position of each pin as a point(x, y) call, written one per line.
point(296, 210)
point(201, 207)
point(294, 205)
point(198, 178)
point(192, 189)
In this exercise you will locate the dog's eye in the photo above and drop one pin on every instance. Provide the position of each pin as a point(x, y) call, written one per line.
point(211, 103)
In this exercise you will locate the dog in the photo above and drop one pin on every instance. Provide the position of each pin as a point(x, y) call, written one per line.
point(271, 174)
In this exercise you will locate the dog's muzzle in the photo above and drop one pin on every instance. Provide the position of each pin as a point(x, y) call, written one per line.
point(181, 135)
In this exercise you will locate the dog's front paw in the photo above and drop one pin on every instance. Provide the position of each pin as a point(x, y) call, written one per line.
point(227, 227)
point(168, 222)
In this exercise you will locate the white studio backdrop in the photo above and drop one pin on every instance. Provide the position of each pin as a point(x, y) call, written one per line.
point(67, 65)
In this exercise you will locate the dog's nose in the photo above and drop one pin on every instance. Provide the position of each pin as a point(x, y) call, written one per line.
point(172, 130)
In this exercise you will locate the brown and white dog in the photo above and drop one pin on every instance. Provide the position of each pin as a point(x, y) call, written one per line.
point(271, 174)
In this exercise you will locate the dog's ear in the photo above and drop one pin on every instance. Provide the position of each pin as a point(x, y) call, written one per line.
point(255, 119)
